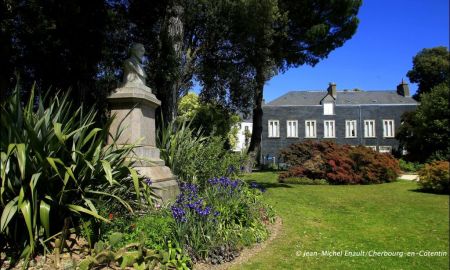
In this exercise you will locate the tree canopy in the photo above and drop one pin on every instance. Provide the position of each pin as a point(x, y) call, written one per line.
point(425, 132)
point(265, 37)
point(232, 48)
point(431, 67)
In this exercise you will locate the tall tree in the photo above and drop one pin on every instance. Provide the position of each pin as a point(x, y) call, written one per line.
point(431, 67)
point(269, 36)
point(425, 132)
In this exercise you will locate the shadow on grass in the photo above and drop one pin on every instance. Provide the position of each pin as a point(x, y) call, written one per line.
point(267, 170)
point(266, 185)
point(428, 191)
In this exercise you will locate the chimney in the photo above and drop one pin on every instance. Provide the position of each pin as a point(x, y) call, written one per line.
point(403, 89)
point(332, 90)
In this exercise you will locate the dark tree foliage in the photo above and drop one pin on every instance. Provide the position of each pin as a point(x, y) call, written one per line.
point(431, 67)
point(425, 132)
point(150, 18)
point(56, 44)
point(231, 47)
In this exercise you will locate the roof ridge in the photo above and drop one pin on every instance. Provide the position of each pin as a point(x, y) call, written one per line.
point(343, 97)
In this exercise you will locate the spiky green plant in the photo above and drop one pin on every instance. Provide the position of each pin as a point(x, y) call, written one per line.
point(193, 157)
point(55, 165)
point(180, 146)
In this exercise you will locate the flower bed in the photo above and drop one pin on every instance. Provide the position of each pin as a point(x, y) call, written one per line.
point(215, 223)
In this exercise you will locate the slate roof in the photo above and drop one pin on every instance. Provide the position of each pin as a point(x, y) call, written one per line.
point(306, 98)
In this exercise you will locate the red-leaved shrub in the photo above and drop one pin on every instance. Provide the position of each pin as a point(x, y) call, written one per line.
point(435, 177)
point(339, 164)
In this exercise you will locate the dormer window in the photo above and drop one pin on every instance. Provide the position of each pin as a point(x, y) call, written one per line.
point(328, 108)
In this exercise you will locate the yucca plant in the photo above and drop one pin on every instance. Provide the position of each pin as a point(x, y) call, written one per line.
point(56, 165)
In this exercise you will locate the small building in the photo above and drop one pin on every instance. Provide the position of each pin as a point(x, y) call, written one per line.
point(244, 134)
point(353, 117)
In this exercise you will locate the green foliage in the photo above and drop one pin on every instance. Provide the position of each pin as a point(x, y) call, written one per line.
point(431, 67)
point(194, 157)
point(214, 223)
point(338, 164)
point(135, 255)
point(425, 132)
point(174, 257)
point(408, 166)
point(86, 33)
point(303, 181)
point(188, 106)
point(154, 229)
point(435, 177)
point(211, 118)
point(56, 166)
point(180, 147)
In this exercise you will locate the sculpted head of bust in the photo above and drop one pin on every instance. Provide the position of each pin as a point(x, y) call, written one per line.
point(134, 75)
point(137, 50)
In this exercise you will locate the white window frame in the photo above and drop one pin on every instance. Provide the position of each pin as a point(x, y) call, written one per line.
point(373, 147)
point(368, 134)
point(332, 125)
point(271, 130)
point(314, 129)
point(289, 129)
point(390, 131)
point(328, 108)
point(385, 149)
point(348, 130)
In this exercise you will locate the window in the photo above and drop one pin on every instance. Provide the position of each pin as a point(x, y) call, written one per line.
point(292, 128)
point(328, 108)
point(246, 129)
point(274, 129)
point(369, 128)
point(388, 128)
point(310, 128)
point(373, 147)
point(385, 149)
point(328, 129)
point(350, 129)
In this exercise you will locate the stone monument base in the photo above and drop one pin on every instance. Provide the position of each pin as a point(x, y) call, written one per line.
point(165, 183)
point(134, 109)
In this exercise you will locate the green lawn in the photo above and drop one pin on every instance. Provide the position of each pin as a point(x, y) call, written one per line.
point(388, 217)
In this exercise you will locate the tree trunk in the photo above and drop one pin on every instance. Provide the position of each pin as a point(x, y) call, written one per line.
point(255, 143)
point(175, 34)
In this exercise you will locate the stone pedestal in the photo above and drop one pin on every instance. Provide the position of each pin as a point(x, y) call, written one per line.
point(134, 108)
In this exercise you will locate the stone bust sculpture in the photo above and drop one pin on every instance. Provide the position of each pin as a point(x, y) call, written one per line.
point(133, 72)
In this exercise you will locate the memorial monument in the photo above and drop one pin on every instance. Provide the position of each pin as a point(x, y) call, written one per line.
point(134, 105)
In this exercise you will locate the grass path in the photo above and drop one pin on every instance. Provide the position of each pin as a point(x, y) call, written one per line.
point(389, 217)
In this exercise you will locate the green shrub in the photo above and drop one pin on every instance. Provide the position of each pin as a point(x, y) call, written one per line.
point(154, 229)
point(303, 181)
point(194, 157)
point(55, 168)
point(408, 166)
point(435, 177)
point(338, 164)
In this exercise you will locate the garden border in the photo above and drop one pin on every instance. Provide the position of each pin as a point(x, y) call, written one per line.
point(246, 253)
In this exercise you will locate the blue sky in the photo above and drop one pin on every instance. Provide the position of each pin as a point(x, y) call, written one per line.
point(380, 54)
